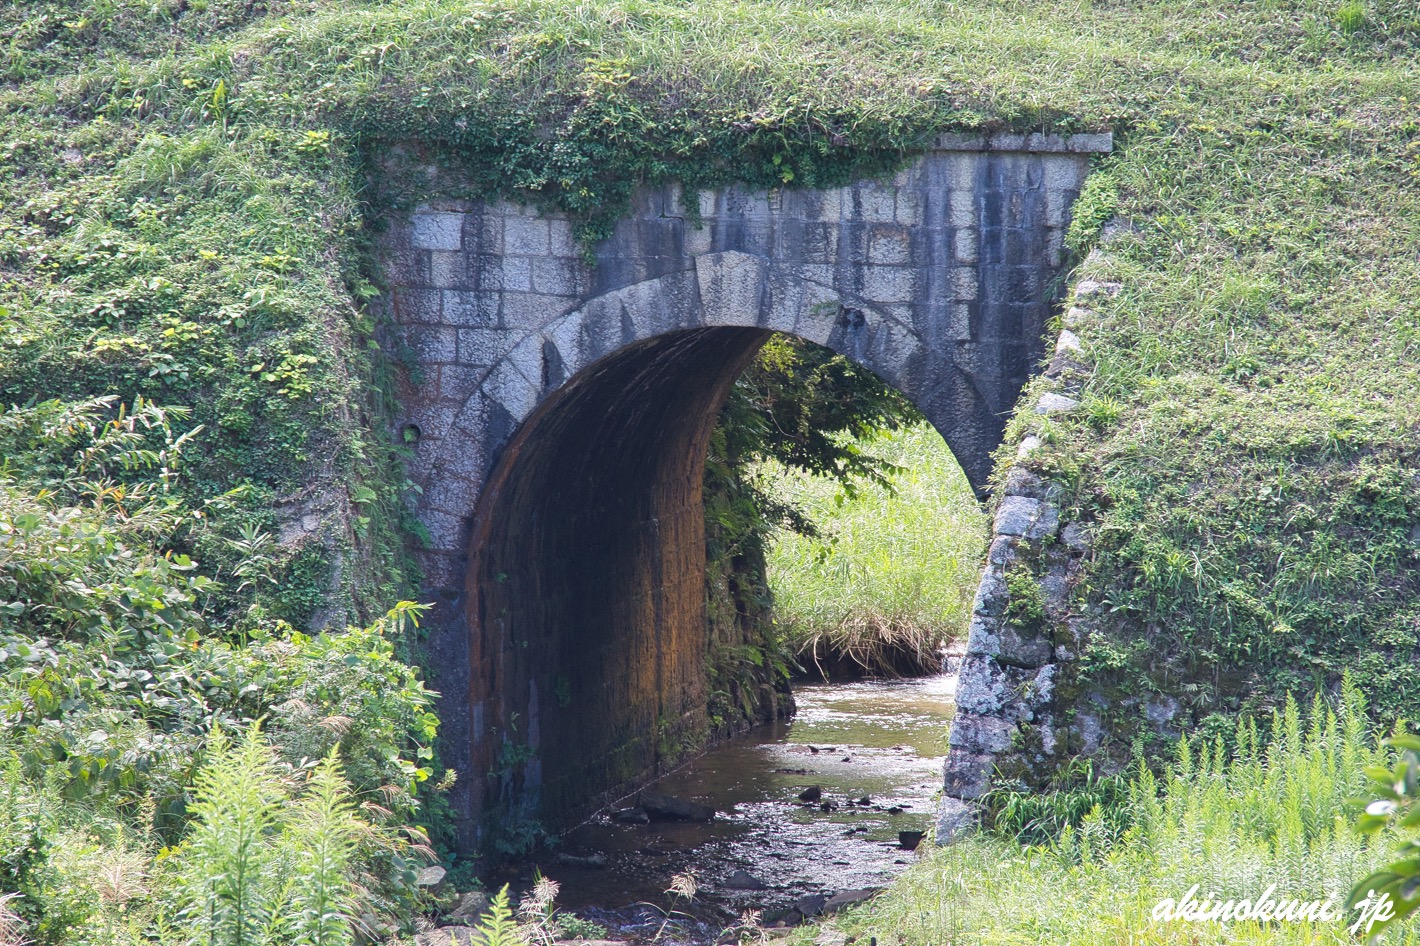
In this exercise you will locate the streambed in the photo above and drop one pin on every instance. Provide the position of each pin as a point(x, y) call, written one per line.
point(873, 748)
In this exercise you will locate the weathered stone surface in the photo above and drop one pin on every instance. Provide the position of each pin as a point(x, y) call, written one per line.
point(848, 898)
point(434, 230)
point(1022, 650)
point(470, 906)
point(954, 819)
point(1052, 403)
point(1016, 515)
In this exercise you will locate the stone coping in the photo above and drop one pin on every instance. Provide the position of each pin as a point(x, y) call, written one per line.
point(1096, 143)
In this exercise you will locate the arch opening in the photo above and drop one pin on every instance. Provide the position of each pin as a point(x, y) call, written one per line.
point(586, 601)
point(586, 584)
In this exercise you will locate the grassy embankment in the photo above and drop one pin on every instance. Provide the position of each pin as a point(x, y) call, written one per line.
point(1261, 816)
point(892, 575)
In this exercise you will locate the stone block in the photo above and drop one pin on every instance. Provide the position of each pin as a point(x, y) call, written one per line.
point(964, 245)
point(890, 246)
point(566, 335)
point(527, 358)
point(416, 306)
point(1020, 649)
point(889, 283)
point(1074, 537)
point(1063, 174)
point(436, 230)
point(819, 243)
point(562, 239)
point(1022, 482)
point(525, 236)
point(966, 774)
point(959, 321)
point(963, 209)
point(558, 276)
point(1052, 403)
point(959, 141)
point(963, 172)
point(528, 311)
point(508, 387)
point(442, 571)
point(483, 232)
point(1015, 515)
point(732, 287)
point(964, 285)
point(432, 344)
point(1006, 141)
point(446, 532)
point(908, 208)
point(1002, 550)
point(465, 309)
point(515, 273)
point(955, 819)
point(451, 495)
point(1057, 205)
point(448, 270)
point(1046, 521)
point(483, 346)
point(981, 733)
point(1037, 142)
point(699, 239)
point(458, 382)
point(872, 203)
point(1100, 143)
point(990, 595)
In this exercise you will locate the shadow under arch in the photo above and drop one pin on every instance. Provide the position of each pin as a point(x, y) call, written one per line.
point(585, 598)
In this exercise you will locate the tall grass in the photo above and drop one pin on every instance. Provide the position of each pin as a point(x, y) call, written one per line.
point(1269, 812)
point(893, 573)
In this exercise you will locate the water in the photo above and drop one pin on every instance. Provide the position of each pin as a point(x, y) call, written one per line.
point(879, 740)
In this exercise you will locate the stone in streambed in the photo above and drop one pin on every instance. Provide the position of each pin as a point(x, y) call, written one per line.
point(671, 808)
point(908, 840)
point(811, 794)
point(744, 880)
point(847, 898)
point(630, 816)
point(586, 862)
point(811, 905)
point(469, 906)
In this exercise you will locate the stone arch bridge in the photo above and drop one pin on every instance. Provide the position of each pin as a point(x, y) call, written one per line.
point(561, 412)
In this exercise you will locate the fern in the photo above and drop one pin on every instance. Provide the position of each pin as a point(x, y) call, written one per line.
point(498, 926)
point(323, 835)
point(224, 883)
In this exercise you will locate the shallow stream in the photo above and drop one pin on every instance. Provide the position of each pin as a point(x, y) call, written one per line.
point(873, 748)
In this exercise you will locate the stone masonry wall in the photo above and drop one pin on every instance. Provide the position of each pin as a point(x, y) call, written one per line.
point(941, 280)
point(1024, 634)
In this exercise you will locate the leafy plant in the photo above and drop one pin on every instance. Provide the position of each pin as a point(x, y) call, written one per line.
point(1396, 806)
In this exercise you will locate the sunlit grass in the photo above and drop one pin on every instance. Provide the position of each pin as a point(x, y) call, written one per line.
point(893, 575)
point(1272, 813)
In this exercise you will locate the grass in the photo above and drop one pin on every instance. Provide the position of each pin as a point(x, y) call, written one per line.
point(893, 575)
point(1268, 810)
